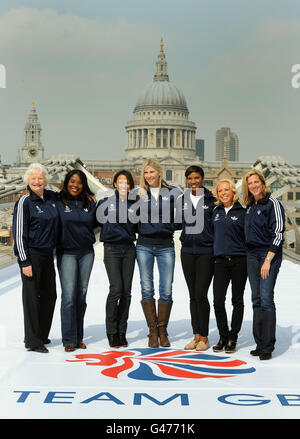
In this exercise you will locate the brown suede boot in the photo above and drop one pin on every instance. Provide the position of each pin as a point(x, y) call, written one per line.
point(151, 319)
point(163, 315)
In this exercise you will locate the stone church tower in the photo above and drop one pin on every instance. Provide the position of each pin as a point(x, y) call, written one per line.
point(32, 151)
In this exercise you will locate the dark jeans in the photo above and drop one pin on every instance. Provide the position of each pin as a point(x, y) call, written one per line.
point(119, 264)
point(198, 271)
point(39, 297)
point(264, 311)
point(74, 272)
point(232, 269)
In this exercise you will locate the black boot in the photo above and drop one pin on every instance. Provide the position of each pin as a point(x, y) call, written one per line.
point(220, 346)
point(230, 347)
point(123, 341)
point(113, 340)
point(265, 356)
point(255, 352)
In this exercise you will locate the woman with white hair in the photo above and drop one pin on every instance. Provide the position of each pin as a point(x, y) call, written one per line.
point(35, 224)
point(230, 263)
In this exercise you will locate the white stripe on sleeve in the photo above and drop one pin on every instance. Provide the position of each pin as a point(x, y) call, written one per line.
point(279, 221)
point(19, 228)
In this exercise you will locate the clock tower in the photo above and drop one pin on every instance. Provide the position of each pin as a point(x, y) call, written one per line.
point(32, 151)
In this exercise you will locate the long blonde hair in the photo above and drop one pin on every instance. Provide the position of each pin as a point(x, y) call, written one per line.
point(232, 187)
point(247, 197)
point(144, 186)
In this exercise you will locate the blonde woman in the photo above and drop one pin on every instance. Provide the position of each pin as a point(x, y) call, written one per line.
point(264, 228)
point(230, 263)
point(155, 242)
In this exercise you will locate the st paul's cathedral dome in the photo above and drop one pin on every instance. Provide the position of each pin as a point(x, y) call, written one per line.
point(161, 127)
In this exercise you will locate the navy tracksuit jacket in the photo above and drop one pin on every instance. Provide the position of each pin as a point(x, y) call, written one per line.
point(76, 227)
point(35, 225)
point(265, 225)
point(229, 234)
point(196, 243)
point(113, 215)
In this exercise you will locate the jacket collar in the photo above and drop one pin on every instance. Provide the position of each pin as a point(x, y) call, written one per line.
point(35, 197)
point(237, 205)
point(262, 200)
point(117, 195)
point(207, 193)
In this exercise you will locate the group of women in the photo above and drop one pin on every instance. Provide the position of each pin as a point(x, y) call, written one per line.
point(221, 242)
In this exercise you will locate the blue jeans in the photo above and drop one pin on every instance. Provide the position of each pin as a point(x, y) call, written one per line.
point(264, 310)
point(165, 257)
point(74, 272)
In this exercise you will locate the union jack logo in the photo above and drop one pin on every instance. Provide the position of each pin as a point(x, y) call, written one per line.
point(164, 364)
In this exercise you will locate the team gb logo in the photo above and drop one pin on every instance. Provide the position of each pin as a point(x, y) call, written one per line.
point(164, 364)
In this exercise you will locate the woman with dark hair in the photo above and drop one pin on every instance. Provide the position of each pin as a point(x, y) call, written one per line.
point(118, 236)
point(128, 176)
point(197, 256)
point(75, 255)
point(264, 228)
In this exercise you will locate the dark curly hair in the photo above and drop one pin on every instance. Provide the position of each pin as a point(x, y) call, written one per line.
point(64, 195)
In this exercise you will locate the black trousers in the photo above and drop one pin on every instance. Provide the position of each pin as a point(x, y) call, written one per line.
point(232, 269)
point(39, 297)
point(198, 271)
point(119, 264)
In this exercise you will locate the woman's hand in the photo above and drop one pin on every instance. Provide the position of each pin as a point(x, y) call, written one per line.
point(27, 271)
point(92, 197)
point(265, 269)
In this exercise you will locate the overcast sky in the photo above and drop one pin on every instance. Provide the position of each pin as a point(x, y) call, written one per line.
point(84, 63)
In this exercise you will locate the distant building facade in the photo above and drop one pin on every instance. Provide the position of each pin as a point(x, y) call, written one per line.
point(227, 145)
point(200, 148)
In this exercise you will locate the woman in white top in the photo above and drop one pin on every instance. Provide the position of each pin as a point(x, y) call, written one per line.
point(155, 242)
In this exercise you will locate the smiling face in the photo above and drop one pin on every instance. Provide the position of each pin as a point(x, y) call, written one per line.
point(74, 186)
point(37, 183)
point(225, 194)
point(256, 187)
point(152, 176)
point(122, 185)
point(194, 181)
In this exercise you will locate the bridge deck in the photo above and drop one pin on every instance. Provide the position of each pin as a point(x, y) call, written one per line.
point(48, 386)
